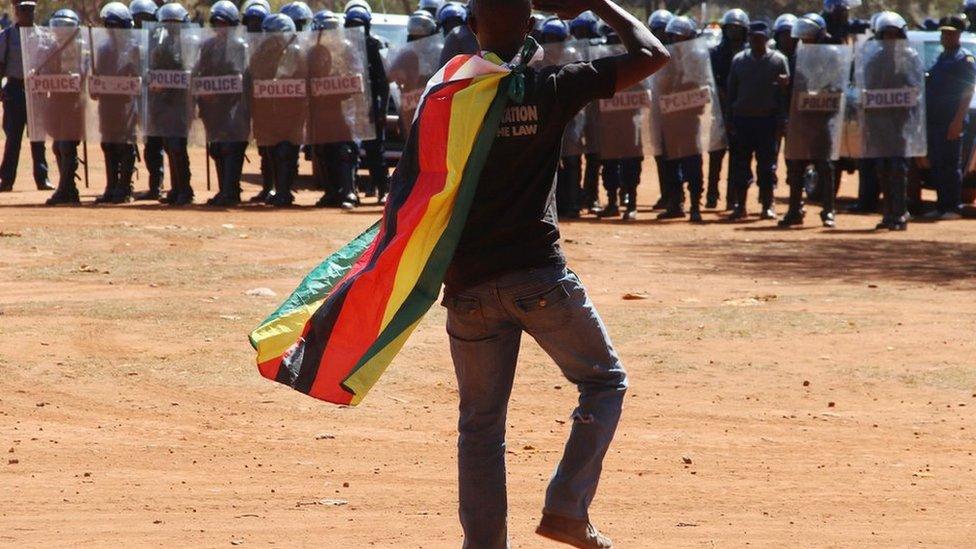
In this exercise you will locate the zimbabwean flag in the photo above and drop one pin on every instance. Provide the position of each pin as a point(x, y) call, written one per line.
point(341, 328)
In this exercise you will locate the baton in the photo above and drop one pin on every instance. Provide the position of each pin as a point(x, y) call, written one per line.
point(84, 151)
point(208, 165)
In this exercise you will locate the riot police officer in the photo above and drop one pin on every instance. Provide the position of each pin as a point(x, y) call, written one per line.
point(168, 55)
point(585, 27)
point(459, 41)
point(431, 7)
point(64, 112)
point(658, 23)
point(299, 12)
point(15, 103)
point(837, 20)
point(783, 35)
point(948, 92)
point(118, 115)
point(144, 11)
point(358, 15)
point(420, 26)
point(969, 10)
point(253, 14)
point(225, 116)
point(735, 27)
point(451, 16)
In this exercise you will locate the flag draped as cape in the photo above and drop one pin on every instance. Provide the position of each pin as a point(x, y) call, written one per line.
point(340, 329)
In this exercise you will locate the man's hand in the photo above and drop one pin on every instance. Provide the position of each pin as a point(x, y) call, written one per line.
point(955, 130)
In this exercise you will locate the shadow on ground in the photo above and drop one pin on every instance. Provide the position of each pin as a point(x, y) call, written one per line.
point(854, 260)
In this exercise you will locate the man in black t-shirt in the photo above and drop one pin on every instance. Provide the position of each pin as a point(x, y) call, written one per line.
point(509, 276)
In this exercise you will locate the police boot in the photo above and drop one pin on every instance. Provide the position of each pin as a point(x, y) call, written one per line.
point(127, 167)
point(111, 178)
point(766, 199)
point(794, 216)
point(67, 191)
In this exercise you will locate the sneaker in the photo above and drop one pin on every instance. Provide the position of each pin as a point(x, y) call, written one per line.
point(45, 186)
point(898, 226)
point(611, 210)
point(262, 197)
point(791, 219)
point(738, 213)
point(769, 214)
point(828, 220)
point(576, 533)
point(629, 215)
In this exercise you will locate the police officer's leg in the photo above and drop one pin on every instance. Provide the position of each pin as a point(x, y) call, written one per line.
point(715, 161)
point(14, 121)
point(794, 179)
point(868, 186)
point(127, 154)
point(767, 150)
point(267, 174)
point(285, 156)
point(673, 183)
point(611, 184)
point(66, 156)
point(346, 174)
point(233, 169)
point(181, 193)
point(566, 178)
point(691, 170)
point(884, 180)
point(215, 151)
point(630, 174)
point(825, 171)
point(949, 160)
point(40, 166)
point(152, 154)
point(898, 174)
point(378, 174)
point(327, 159)
point(665, 199)
point(591, 183)
point(110, 151)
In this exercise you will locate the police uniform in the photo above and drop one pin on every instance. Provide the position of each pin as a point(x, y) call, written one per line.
point(379, 86)
point(949, 81)
point(15, 113)
point(721, 56)
point(152, 152)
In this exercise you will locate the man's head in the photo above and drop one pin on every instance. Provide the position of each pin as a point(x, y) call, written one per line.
point(969, 8)
point(952, 27)
point(501, 25)
point(735, 25)
point(758, 36)
point(24, 13)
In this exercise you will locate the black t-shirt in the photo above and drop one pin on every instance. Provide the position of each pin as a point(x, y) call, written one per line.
point(512, 223)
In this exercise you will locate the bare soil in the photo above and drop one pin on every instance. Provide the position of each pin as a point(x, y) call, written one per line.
point(795, 388)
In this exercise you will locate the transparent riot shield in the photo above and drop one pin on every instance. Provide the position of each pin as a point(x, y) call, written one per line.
point(279, 88)
point(591, 113)
point(890, 79)
point(172, 50)
point(54, 72)
point(115, 84)
point(686, 112)
point(411, 66)
point(817, 109)
point(218, 85)
point(338, 87)
point(563, 53)
point(622, 117)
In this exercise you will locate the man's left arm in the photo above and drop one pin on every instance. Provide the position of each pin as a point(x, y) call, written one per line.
point(969, 79)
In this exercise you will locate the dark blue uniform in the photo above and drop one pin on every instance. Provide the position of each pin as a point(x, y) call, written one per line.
point(721, 56)
point(949, 81)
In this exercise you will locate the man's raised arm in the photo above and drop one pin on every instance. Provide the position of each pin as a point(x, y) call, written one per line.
point(645, 53)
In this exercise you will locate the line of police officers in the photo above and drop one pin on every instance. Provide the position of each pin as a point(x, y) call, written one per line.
point(753, 84)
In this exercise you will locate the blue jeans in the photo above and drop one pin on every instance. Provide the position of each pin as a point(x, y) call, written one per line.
point(485, 324)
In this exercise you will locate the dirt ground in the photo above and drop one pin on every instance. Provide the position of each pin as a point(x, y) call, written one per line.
point(789, 389)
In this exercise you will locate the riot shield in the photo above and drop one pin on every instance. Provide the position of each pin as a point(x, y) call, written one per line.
point(623, 116)
point(173, 49)
point(411, 66)
point(338, 87)
point(218, 85)
point(686, 112)
point(563, 53)
point(890, 79)
point(591, 113)
point(279, 88)
point(115, 84)
point(819, 98)
point(54, 73)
